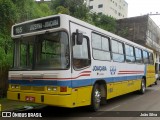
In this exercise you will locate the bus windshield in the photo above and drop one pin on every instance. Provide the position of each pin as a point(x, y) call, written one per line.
point(42, 52)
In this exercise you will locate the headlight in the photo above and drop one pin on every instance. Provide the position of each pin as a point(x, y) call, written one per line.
point(15, 86)
point(49, 88)
point(12, 86)
point(52, 88)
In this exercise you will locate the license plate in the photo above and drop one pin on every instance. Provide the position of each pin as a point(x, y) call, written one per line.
point(30, 99)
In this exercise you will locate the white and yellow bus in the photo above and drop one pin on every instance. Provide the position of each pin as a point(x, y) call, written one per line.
point(62, 61)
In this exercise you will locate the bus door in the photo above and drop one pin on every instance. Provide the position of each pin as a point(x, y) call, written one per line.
point(81, 57)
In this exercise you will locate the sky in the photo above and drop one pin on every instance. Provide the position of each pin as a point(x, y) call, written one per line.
point(143, 7)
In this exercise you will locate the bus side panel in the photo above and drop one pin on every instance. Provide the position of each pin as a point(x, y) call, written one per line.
point(110, 91)
point(120, 88)
point(150, 75)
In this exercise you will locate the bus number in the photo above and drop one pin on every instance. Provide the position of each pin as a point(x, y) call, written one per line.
point(18, 30)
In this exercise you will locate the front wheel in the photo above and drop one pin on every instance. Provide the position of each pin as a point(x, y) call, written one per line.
point(96, 98)
point(143, 87)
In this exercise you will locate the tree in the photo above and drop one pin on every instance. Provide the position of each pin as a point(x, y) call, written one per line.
point(78, 9)
point(8, 15)
point(11, 12)
point(29, 9)
point(103, 21)
point(75, 8)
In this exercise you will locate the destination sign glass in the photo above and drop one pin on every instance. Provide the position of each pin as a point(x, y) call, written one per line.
point(35, 26)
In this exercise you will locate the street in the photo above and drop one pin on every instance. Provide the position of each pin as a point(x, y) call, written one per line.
point(121, 108)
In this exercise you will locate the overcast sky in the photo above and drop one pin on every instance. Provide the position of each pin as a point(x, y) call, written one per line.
point(142, 7)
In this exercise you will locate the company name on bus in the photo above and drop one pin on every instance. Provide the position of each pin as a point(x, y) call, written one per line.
point(99, 68)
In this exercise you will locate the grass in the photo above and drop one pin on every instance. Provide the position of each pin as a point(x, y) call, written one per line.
point(11, 105)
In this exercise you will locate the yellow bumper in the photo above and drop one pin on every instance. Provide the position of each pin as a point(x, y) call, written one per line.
point(48, 99)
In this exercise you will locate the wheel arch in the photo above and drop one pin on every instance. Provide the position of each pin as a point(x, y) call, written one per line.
point(103, 87)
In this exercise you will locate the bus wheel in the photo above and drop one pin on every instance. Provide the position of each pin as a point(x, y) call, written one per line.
point(156, 82)
point(143, 86)
point(96, 98)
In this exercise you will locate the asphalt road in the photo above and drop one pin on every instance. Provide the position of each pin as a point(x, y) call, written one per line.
point(132, 106)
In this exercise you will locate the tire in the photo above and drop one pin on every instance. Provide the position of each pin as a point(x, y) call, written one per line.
point(143, 86)
point(96, 98)
point(156, 82)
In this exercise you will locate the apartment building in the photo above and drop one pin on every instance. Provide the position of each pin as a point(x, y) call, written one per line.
point(115, 8)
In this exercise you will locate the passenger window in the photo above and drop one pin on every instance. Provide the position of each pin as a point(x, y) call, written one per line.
point(145, 57)
point(138, 53)
point(151, 61)
point(100, 46)
point(81, 54)
point(117, 51)
point(129, 53)
point(96, 41)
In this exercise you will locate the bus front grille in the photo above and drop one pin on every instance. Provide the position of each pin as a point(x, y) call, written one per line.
point(33, 88)
point(25, 88)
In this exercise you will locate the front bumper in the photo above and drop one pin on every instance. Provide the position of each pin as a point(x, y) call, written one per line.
point(48, 99)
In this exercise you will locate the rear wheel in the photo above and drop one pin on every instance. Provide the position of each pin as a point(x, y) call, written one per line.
point(143, 86)
point(156, 82)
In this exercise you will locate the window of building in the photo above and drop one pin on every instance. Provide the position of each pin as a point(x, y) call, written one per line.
point(138, 53)
point(117, 51)
point(100, 6)
point(90, 7)
point(101, 49)
point(100, 13)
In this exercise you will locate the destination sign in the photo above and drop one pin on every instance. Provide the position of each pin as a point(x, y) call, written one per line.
point(35, 26)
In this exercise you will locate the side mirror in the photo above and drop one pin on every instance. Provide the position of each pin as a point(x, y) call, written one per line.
point(79, 38)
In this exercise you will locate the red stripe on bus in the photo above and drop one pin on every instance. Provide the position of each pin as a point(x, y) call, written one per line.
point(13, 78)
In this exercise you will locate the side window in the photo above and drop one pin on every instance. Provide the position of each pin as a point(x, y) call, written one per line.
point(96, 41)
point(145, 57)
point(117, 51)
point(129, 53)
point(100, 47)
point(81, 54)
point(138, 53)
point(151, 61)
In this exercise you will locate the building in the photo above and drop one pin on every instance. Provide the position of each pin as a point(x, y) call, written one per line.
point(142, 30)
point(115, 8)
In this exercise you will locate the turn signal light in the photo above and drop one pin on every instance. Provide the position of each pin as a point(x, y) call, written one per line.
point(63, 89)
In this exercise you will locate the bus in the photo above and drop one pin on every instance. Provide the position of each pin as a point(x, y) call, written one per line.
point(62, 61)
